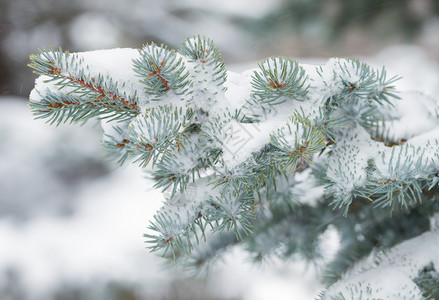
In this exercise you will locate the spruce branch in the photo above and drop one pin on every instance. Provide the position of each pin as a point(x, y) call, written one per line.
point(384, 89)
point(172, 172)
point(92, 96)
point(153, 134)
point(59, 108)
point(206, 58)
point(175, 230)
point(233, 212)
point(278, 80)
point(116, 145)
point(428, 281)
point(297, 142)
point(306, 141)
point(349, 79)
point(403, 180)
point(161, 70)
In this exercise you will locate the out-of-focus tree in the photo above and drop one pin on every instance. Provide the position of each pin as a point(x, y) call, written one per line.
point(81, 25)
point(347, 27)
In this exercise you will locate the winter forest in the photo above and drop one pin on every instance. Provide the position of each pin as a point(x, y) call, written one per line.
point(242, 149)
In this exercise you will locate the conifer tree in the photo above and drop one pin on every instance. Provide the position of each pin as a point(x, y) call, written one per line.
point(272, 158)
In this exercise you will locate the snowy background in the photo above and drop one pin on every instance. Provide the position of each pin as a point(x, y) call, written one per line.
point(71, 223)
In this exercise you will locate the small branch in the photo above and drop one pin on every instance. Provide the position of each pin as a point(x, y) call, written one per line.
point(128, 104)
point(157, 72)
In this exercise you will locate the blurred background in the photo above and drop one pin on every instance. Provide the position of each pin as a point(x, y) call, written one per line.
point(71, 223)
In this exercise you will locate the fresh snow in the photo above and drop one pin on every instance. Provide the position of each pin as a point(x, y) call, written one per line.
point(389, 274)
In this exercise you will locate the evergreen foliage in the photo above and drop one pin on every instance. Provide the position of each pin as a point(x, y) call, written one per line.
point(239, 169)
point(428, 282)
point(78, 95)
